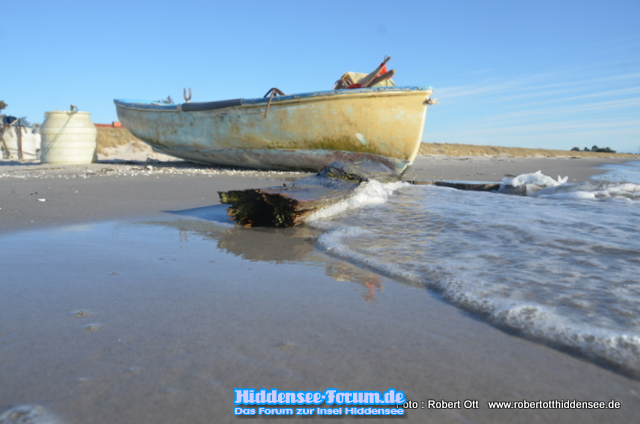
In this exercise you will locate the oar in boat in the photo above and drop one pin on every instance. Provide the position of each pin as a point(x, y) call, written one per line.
point(366, 81)
point(383, 77)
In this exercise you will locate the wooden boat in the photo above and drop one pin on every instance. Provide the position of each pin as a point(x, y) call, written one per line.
point(289, 132)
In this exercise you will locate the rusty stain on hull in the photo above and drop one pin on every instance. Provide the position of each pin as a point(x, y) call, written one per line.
point(306, 131)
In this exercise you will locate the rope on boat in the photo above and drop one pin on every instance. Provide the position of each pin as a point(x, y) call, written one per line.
point(271, 93)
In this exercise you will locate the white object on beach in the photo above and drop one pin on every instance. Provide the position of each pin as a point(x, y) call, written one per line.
point(18, 139)
point(532, 184)
point(537, 178)
point(68, 137)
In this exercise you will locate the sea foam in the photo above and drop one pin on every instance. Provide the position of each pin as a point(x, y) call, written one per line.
point(559, 265)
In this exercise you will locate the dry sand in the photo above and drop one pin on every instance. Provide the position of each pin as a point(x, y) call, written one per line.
point(126, 297)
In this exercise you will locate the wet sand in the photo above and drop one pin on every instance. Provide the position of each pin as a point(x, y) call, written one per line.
point(127, 297)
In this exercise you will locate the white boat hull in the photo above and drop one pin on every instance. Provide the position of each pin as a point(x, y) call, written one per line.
point(299, 132)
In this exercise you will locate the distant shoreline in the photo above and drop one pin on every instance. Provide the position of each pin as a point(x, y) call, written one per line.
point(429, 149)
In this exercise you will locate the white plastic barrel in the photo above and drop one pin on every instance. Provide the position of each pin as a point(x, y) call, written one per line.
point(68, 137)
point(17, 139)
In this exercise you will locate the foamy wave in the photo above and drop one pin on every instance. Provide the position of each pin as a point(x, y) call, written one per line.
point(368, 193)
point(537, 178)
point(331, 242)
point(619, 349)
point(603, 190)
point(562, 272)
point(538, 321)
point(539, 185)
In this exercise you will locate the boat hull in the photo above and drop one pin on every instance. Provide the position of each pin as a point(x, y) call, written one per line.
point(301, 132)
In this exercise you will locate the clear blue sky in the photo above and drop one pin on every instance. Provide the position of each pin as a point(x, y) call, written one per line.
point(552, 74)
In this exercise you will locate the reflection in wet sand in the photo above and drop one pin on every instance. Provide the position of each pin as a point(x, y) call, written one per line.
point(278, 245)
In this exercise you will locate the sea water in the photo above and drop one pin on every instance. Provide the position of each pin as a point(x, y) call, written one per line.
point(560, 265)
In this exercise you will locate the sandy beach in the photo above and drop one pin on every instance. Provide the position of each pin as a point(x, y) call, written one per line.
point(127, 297)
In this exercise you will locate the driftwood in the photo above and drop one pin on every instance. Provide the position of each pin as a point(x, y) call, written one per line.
point(287, 206)
point(468, 186)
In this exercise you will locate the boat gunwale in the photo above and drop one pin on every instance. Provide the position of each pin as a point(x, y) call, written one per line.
point(286, 99)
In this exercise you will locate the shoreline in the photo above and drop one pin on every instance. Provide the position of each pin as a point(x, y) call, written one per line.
point(129, 299)
point(43, 195)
